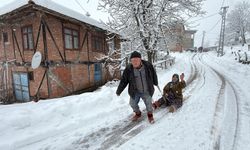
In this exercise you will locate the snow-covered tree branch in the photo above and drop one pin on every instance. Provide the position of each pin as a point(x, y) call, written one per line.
point(146, 22)
point(238, 22)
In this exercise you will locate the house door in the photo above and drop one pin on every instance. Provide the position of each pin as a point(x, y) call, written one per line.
point(21, 86)
point(98, 73)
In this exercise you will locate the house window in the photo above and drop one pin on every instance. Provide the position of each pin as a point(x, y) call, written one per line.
point(98, 73)
point(27, 34)
point(71, 38)
point(5, 37)
point(97, 43)
point(31, 76)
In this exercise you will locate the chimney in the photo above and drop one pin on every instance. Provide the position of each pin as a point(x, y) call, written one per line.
point(31, 2)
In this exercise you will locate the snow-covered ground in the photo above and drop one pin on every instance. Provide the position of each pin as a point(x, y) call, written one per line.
point(215, 114)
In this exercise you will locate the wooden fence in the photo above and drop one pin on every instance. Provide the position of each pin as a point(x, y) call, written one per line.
point(164, 64)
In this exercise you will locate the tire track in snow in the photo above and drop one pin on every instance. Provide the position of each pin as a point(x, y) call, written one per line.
point(215, 130)
point(196, 74)
point(240, 71)
point(108, 135)
point(193, 71)
point(218, 135)
point(190, 81)
point(120, 137)
point(113, 137)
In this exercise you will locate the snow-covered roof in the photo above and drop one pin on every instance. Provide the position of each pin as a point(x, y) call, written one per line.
point(49, 4)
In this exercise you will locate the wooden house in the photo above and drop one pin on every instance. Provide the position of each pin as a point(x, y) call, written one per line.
point(71, 45)
point(183, 39)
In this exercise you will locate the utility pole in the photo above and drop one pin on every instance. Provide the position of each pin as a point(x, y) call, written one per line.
point(220, 51)
point(202, 42)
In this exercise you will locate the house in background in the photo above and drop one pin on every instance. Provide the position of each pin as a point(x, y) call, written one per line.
point(183, 39)
point(70, 43)
point(189, 39)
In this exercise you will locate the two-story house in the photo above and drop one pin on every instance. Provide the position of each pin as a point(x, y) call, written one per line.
point(71, 45)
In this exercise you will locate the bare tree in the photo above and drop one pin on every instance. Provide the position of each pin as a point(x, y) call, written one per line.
point(238, 22)
point(145, 22)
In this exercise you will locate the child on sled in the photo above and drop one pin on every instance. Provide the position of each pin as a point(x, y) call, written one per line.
point(172, 94)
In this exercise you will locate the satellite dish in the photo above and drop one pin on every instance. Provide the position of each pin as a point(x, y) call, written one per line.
point(36, 60)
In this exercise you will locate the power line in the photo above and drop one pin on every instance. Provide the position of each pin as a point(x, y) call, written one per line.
point(206, 17)
point(215, 25)
point(213, 33)
point(81, 6)
point(210, 15)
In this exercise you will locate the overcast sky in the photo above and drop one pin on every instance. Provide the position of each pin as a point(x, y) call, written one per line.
point(211, 25)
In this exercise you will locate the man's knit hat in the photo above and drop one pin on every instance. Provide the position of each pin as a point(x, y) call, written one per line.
point(135, 54)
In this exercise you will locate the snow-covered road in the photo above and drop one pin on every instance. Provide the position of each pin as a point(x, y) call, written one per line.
point(215, 114)
point(234, 103)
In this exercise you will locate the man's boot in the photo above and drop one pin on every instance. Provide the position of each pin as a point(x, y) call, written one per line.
point(150, 118)
point(136, 116)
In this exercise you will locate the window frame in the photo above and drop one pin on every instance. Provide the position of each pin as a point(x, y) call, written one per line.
point(97, 39)
point(27, 37)
point(72, 37)
point(5, 37)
